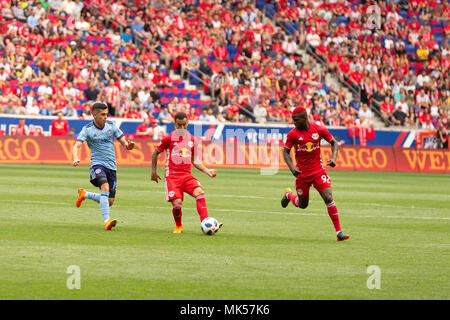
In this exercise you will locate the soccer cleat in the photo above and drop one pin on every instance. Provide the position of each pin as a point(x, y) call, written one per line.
point(342, 236)
point(178, 229)
point(110, 223)
point(285, 200)
point(80, 199)
point(220, 224)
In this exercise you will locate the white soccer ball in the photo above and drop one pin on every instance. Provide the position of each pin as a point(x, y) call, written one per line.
point(210, 226)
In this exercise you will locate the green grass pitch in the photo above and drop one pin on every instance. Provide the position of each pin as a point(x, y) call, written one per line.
point(399, 222)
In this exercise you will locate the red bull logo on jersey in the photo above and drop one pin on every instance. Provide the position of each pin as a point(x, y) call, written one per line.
point(315, 136)
point(184, 153)
point(308, 146)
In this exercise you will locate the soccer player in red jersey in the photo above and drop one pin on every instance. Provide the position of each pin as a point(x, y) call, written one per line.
point(182, 152)
point(305, 138)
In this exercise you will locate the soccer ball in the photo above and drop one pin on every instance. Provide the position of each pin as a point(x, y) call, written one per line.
point(209, 226)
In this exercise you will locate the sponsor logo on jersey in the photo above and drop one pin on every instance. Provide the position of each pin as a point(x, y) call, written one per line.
point(308, 146)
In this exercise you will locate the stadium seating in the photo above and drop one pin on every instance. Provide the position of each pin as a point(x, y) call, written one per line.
point(284, 14)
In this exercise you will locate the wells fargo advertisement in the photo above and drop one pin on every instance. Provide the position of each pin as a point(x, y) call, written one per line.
point(58, 150)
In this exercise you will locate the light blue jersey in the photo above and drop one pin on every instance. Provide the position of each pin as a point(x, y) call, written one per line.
point(101, 143)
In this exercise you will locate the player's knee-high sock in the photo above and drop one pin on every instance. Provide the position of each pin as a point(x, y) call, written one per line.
point(201, 206)
point(293, 198)
point(334, 215)
point(104, 205)
point(92, 196)
point(176, 211)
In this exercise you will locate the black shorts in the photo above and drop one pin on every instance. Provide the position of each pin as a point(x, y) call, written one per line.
point(98, 175)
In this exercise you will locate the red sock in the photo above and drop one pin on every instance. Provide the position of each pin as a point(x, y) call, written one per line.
point(334, 215)
point(201, 206)
point(293, 198)
point(176, 211)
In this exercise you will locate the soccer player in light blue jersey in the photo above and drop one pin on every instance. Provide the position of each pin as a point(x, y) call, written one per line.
point(99, 135)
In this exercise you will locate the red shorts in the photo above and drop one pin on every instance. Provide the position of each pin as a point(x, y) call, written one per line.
point(320, 181)
point(176, 185)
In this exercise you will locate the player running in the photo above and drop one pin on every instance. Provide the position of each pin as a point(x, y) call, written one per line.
point(182, 151)
point(99, 135)
point(305, 138)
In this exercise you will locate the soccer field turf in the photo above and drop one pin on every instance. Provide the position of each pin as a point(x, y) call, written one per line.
point(399, 222)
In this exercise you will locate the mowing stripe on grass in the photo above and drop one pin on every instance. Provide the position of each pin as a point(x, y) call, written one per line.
point(248, 211)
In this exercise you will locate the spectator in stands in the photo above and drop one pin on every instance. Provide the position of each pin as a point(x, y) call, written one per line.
point(87, 112)
point(260, 114)
point(192, 63)
point(205, 116)
point(401, 112)
point(365, 116)
point(32, 109)
point(157, 130)
point(143, 130)
point(165, 116)
point(137, 29)
point(204, 67)
point(126, 36)
point(92, 92)
point(69, 111)
point(21, 129)
point(442, 136)
point(60, 126)
point(422, 99)
point(387, 109)
point(354, 104)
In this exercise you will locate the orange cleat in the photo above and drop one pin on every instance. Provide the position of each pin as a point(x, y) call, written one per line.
point(342, 236)
point(81, 193)
point(111, 223)
point(178, 229)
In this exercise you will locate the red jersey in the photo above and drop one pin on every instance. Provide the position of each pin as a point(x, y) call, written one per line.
point(180, 152)
point(21, 130)
point(307, 148)
point(60, 127)
point(142, 128)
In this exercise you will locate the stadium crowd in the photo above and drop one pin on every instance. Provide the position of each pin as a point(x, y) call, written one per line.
point(61, 55)
point(394, 54)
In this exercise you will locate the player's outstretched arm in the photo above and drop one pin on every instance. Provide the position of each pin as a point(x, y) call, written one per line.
point(288, 160)
point(334, 149)
point(154, 176)
point(127, 144)
point(75, 152)
point(200, 166)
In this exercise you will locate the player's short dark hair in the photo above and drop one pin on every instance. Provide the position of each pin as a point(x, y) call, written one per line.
point(180, 116)
point(97, 106)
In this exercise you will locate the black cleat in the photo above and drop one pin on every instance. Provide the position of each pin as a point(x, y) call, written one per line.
point(285, 200)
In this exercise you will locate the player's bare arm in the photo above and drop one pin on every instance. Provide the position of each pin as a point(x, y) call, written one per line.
point(75, 152)
point(288, 160)
point(200, 166)
point(334, 149)
point(127, 144)
point(154, 176)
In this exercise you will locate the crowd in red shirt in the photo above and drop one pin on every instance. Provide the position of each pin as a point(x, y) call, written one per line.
point(384, 50)
point(114, 50)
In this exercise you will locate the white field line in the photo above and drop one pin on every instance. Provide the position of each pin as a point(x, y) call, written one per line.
point(309, 213)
